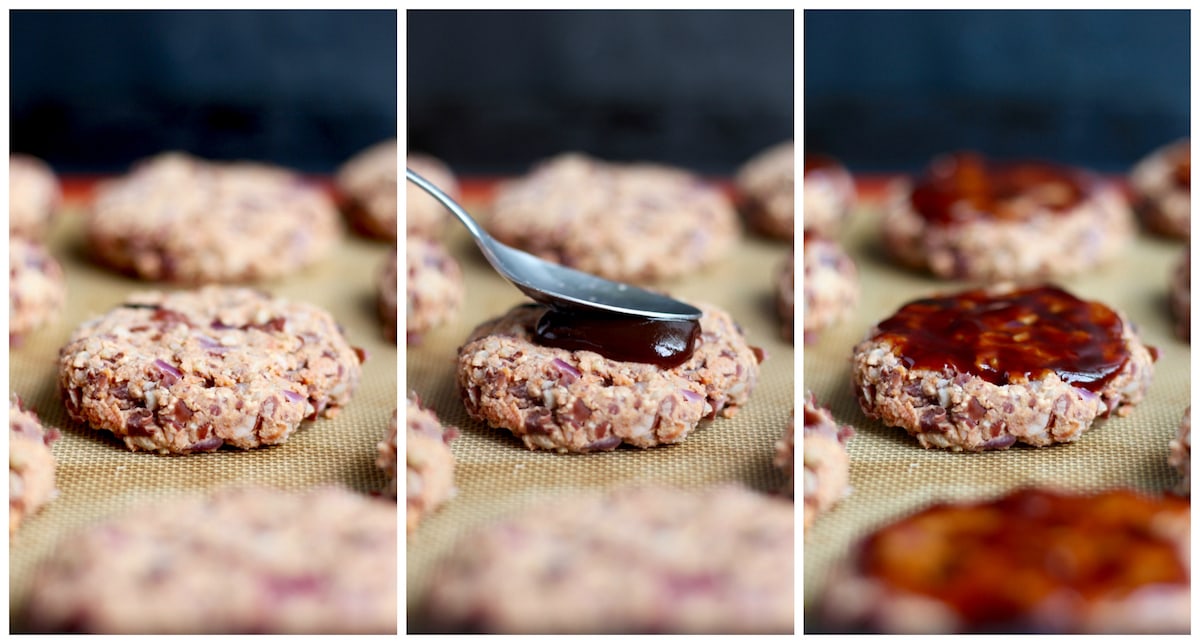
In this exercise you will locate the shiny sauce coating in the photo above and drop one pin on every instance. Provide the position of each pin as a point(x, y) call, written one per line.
point(665, 343)
point(995, 563)
point(965, 186)
point(1024, 333)
point(1180, 158)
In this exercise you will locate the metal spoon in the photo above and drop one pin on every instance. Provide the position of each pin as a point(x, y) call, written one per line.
point(558, 286)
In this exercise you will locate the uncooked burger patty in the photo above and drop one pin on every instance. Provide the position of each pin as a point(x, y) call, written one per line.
point(33, 195)
point(425, 216)
point(971, 218)
point(37, 288)
point(631, 222)
point(766, 184)
point(429, 463)
point(1162, 189)
point(178, 218)
point(639, 559)
point(831, 288)
point(826, 462)
point(828, 194)
point(191, 371)
point(984, 369)
point(1033, 561)
point(368, 183)
point(581, 401)
point(434, 288)
point(31, 464)
point(239, 560)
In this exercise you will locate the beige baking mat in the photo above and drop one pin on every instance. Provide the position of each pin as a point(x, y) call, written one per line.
point(497, 475)
point(98, 476)
point(892, 476)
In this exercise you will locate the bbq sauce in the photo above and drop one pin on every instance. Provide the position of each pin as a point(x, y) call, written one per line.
point(665, 343)
point(994, 563)
point(1180, 158)
point(1027, 332)
point(966, 186)
point(1183, 174)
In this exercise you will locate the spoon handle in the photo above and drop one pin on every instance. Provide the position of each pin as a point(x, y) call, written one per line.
point(560, 286)
point(481, 236)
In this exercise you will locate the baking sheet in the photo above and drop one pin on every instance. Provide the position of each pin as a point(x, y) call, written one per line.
point(496, 475)
point(98, 476)
point(892, 476)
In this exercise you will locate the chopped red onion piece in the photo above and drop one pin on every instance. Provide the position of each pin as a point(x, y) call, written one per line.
point(168, 368)
point(691, 395)
point(211, 344)
point(1000, 442)
point(210, 444)
point(292, 396)
point(565, 366)
point(608, 442)
point(298, 585)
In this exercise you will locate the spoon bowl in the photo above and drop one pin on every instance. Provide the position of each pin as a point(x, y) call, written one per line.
point(558, 286)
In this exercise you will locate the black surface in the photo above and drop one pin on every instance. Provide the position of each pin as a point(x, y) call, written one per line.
point(886, 90)
point(92, 91)
point(494, 91)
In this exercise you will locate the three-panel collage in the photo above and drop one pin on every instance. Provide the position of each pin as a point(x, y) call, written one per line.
point(601, 363)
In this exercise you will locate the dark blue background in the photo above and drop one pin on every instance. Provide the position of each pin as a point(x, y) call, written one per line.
point(94, 91)
point(492, 92)
point(887, 90)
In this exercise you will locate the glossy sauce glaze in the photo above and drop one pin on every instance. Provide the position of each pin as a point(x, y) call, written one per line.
point(1023, 333)
point(665, 343)
point(995, 563)
point(966, 186)
point(1180, 158)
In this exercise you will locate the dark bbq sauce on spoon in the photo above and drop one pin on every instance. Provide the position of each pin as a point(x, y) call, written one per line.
point(664, 343)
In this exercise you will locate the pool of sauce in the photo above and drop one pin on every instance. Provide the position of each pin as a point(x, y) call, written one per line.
point(1028, 332)
point(966, 186)
point(665, 343)
point(995, 562)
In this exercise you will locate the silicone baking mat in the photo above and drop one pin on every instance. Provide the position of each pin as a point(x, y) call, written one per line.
point(98, 476)
point(496, 475)
point(892, 476)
